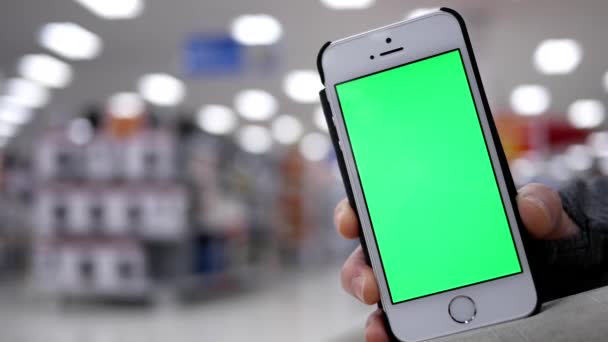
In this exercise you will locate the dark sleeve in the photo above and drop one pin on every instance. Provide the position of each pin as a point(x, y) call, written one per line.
point(566, 267)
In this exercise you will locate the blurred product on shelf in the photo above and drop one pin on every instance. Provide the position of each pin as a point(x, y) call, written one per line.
point(116, 215)
point(293, 229)
point(91, 267)
point(231, 237)
point(15, 200)
point(100, 207)
point(145, 211)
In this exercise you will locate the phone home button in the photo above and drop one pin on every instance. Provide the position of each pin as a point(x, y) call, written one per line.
point(462, 309)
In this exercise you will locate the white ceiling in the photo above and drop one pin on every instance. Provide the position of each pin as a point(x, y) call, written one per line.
point(504, 35)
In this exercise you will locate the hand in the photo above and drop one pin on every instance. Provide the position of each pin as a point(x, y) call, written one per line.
point(540, 209)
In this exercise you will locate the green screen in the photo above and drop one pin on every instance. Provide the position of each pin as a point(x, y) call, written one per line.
point(427, 178)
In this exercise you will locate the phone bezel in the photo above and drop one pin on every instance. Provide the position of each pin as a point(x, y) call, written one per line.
point(427, 317)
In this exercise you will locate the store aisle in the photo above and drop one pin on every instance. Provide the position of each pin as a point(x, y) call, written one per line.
point(304, 306)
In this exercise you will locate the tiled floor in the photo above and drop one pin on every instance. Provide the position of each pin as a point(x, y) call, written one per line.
point(306, 306)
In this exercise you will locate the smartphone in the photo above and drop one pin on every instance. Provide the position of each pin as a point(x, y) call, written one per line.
point(427, 175)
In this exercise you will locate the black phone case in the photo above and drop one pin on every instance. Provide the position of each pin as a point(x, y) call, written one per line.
point(503, 160)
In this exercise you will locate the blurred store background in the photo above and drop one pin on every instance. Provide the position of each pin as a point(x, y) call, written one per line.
point(166, 172)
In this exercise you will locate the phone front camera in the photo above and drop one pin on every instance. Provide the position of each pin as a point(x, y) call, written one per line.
point(371, 57)
point(388, 40)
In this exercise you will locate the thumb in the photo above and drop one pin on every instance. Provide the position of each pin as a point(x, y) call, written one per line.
point(541, 210)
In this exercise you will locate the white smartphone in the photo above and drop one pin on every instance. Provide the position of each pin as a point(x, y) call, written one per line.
point(428, 177)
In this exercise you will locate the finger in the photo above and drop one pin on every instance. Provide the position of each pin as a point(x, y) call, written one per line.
point(543, 215)
point(375, 330)
point(358, 278)
point(346, 220)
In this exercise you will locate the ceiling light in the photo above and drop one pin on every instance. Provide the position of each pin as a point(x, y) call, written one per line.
point(26, 93)
point(303, 86)
point(254, 139)
point(578, 158)
point(162, 89)
point(599, 144)
point(80, 131)
point(256, 105)
point(419, 12)
point(13, 114)
point(215, 119)
point(114, 9)
point(256, 29)
point(558, 56)
point(286, 129)
point(319, 118)
point(70, 40)
point(7, 130)
point(315, 146)
point(348, 4)
point(530, 100)
point(586, 114)
point(46, 70)
point(125, 105)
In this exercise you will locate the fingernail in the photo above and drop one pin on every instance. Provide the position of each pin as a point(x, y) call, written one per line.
point(339, 213)
point(358, 286)
point(541, 229)
point(537, 202)
point(340, 206)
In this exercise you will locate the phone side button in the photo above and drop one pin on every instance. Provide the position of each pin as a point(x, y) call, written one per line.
point(462, 309)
